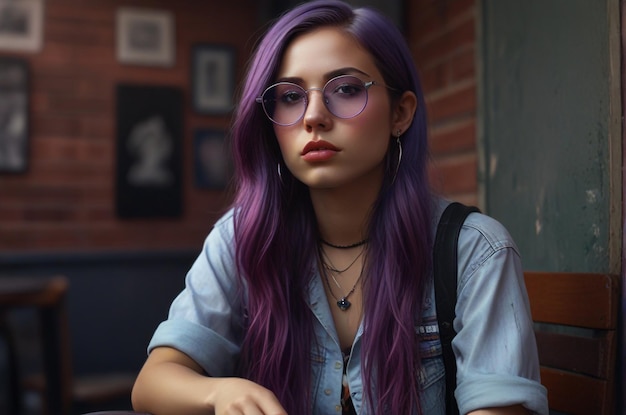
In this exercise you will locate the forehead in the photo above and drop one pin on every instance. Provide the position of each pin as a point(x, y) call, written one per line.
point(313, 55)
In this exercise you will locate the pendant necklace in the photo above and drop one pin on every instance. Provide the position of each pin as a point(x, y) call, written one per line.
point(331, 267)
point(342, 302)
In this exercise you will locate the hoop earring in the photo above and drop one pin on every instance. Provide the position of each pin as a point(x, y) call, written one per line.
point(280, 173)
point(399, 143)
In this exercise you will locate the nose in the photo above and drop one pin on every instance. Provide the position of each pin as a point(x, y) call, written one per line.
point(316, 115)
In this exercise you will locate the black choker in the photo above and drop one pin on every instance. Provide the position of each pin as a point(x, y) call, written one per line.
point(354, 245)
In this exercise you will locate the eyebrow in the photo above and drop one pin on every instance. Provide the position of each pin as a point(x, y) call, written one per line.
point(348, 70)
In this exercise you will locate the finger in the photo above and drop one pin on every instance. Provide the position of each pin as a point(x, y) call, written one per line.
point(265, 402)
point(244, 406)
point(272, 406)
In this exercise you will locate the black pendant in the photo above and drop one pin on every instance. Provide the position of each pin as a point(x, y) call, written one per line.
point(344, 304)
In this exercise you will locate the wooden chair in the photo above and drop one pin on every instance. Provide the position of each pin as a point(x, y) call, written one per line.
point(575, 318)
point(59, 388)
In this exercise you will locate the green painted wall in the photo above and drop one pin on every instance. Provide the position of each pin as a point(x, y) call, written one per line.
point(545, 103)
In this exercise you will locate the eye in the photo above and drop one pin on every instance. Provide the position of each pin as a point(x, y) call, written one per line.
point(292, 96)
point(347, 90)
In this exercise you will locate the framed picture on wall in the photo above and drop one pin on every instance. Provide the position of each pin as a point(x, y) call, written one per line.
point(145, 37)
point(213, 78)
point(14, 115)
point(21, 25)
point(212, 159)
point(149, 151)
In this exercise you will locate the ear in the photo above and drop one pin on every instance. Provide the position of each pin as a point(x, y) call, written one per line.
point(403, 113)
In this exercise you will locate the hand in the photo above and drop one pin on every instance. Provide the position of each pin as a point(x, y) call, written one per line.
point(236, 396)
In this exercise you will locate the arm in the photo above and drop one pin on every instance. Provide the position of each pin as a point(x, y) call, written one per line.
point(495, 347)
point(170, 382)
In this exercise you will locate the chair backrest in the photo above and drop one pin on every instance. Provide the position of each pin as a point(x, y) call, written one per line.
point(48, 297)
point(575, 317)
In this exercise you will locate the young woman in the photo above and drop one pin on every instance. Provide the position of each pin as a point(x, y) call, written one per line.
point(314, 293)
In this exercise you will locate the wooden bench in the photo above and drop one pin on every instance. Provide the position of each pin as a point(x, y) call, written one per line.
point(575, 318)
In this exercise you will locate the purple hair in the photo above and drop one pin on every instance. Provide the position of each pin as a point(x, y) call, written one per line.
point(276, 232)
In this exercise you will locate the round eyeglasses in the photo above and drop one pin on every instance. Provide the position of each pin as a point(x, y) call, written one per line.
point(285, 103)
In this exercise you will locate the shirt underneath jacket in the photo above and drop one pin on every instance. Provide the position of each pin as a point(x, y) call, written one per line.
point(495, 349)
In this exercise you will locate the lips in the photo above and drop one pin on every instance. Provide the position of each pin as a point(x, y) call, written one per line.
point(320, 145)
point(317, 151)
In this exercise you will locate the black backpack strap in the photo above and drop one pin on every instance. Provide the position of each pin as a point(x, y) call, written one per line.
point(445, 275)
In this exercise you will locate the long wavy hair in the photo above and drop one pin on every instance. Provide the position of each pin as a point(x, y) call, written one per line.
point(276, 233)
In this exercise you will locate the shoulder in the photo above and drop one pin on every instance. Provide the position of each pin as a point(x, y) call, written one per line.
point(481, 228)
point(478, 229)
point(223, 229)
point(484, 247)
point(219, 244)
point(226, 220)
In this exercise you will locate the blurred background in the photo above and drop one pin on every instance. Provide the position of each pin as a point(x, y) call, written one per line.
point(114, 118)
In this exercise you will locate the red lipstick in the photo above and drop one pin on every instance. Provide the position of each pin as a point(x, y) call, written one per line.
point(318, 151)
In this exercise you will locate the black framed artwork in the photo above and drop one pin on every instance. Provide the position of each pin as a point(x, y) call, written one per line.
point(149, 151)
point(14, 115)
point(213, 167)
point(213, 78)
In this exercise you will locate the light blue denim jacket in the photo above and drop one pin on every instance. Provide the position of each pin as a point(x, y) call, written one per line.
point(495, 349)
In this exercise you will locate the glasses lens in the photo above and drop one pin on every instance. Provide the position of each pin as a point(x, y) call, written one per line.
point(284, 103)
point(346, 96)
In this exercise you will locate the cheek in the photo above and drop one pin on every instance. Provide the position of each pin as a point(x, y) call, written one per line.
point(378, 109)
point(375, 124)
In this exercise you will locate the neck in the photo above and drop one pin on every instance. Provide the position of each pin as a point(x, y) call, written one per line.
point(343, 214)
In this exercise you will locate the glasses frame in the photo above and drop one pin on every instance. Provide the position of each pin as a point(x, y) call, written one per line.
point(366, 85)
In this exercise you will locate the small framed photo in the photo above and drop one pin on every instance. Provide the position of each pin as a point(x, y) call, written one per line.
point(145, 37)
point(213, 78)
point(21, 25)
point(212, 161)
point(13, 115)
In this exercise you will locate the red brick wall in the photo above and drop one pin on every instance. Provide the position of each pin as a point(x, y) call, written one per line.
point(442, 36)
point(66, 201)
